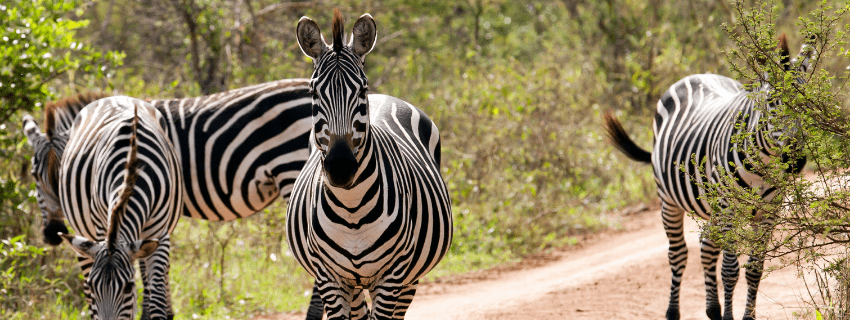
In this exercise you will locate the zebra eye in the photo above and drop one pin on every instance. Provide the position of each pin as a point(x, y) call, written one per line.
point(363, 92)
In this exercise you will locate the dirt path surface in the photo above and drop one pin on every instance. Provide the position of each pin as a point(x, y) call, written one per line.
point(617, 275)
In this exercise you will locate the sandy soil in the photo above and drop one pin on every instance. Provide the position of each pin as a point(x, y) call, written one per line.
point(616, 275)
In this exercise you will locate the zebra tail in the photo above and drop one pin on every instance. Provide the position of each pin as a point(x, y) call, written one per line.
point(130, 176)
point(620, 139)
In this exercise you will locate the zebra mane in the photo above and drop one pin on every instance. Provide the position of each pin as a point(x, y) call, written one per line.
point(53, 112)
point(69, 105)
point(130, 175)
point(337, 31)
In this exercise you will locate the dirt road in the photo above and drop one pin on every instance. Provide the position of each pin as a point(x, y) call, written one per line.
point(617, 275)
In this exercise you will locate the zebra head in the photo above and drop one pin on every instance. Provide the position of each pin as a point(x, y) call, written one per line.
point(112, 281)
point(45, 170)
point(800, 64)
point(788, 131)
point(807, 54)
point(339, 87)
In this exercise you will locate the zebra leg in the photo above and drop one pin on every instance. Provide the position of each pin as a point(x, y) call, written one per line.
point(709, 253)
point(156, 282)
point(677, 254)
point(755, 267)
point(384, 302)
point(404, 300)
point(730, 279)
point(145, 293)
point(336, 299)
point(359, 308)
point(316, 309)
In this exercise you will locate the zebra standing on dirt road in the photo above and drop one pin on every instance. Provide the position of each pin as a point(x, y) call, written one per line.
point(696, 119)
point(120, 189)
point(239, 150)
point(370, 210)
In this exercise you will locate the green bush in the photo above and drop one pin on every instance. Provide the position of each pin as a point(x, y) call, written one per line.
point(811, 213)
point(32, 277)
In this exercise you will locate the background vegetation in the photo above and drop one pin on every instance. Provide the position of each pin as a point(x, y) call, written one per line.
point(516, 87)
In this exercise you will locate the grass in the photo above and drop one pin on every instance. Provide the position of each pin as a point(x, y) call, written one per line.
point(239, 269)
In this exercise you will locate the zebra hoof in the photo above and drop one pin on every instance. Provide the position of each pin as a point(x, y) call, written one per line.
point(714, 313)
point(750, 318)
point(672, 314)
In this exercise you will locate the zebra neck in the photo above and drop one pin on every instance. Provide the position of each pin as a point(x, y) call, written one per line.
point(63, 120)
point(58, 142)
point(770, 137)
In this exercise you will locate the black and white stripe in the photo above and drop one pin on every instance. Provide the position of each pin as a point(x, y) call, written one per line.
point(119, 188)
point(370, 210)
point(239, 150)
point(698, 119)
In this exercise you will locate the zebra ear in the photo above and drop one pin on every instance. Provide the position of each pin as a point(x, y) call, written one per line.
point(365, 33)
point(807, 52)
point(143, 248)
point(32, 131)
point(310, 38)
point(81, 245)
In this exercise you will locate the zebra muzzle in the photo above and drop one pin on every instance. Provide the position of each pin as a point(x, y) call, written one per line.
point(340, 165)
point(51, 230)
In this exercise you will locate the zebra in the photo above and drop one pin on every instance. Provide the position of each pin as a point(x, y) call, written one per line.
point(239, 150)
point(48, 148)
point(120, 189)
point(370, 210)
point(696, 119)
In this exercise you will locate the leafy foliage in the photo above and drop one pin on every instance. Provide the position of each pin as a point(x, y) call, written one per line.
point(23, 272)
point(39, 48)
point(811, 216)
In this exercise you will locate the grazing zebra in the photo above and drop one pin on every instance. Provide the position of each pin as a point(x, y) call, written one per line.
point(48, 148)
point(239, 150)
point(696, 119)
point(370, 210)
point(119, 188)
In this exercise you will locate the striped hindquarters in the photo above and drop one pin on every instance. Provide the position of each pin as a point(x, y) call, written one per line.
point(91, 170)
point(695, 125)
point(120, 189)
